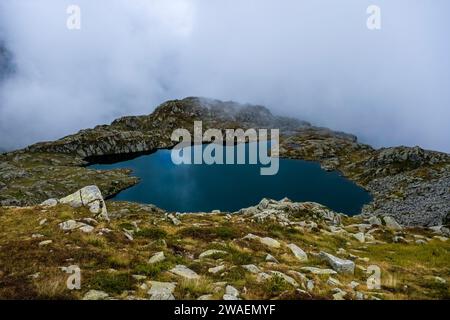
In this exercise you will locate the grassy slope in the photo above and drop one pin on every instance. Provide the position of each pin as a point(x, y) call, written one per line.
point(108, 261)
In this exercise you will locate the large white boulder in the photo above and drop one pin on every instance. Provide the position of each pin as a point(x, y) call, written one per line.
point(90, 197)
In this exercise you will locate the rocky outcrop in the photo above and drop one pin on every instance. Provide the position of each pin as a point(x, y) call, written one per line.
point(90, 197)
point(141, 134)
point(410, 184)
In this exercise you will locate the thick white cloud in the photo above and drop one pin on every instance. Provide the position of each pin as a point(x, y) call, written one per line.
point(315, 60)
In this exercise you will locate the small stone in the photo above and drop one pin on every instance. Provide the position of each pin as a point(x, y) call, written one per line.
point(128, 236)
point(391, 223)
point(95, 295)
point(266, 241)
point(298, 253)
point(359, 295)
point(270, 242)
point(360, 237)
point(49, 203)
point(338, 264)
point(206, 297)
point(174, 220)
point(251, 268)
point(375, 221)
point(229, 297)
point(231, 291)
point(157, 257)
point(45, 242)
point(161, 290)
point(262, 276)
point(440, 280)
point(271, 258)
point(90, 221)
point(333, 282)
point(42, 222)
point(399, 239)
point(184, 272)
point(318, 271)
point(211, 252)
point(87, 228)
point(339, 296)
point(217, 269)
point(286, 278)
point(354, 284)
point(310, 285)
point(70, 225)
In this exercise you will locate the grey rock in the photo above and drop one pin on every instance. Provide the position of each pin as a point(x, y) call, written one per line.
point(272, 243)
point(391, 223)
point(161, 290)
point(338, 264)
point(184, 272)
point(298, 253)
point(211, 252)
point(95, 295)
point(231, 293)
point(157, 257)
point(318, 271)
point(251, 268)
point(217, 269)
point(89, 196)
point(271, 258)
point(49, 203)
point(286, 278)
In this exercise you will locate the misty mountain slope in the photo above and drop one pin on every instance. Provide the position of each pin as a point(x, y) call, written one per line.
point(410, 184)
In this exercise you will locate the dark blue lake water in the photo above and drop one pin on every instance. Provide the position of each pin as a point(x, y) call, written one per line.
point(192, 188)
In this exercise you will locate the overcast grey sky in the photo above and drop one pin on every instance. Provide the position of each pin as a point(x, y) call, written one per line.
point(312, 59)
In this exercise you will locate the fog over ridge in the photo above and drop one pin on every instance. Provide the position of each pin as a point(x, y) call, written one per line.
point(314, 60)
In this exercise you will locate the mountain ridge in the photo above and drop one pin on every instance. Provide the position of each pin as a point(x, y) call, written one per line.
point(410, 184)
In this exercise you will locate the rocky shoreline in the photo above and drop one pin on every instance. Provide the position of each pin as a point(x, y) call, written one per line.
point(410, 184)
